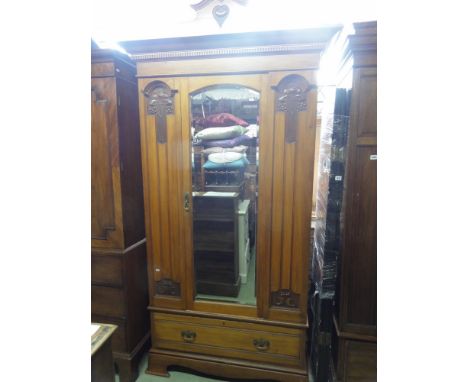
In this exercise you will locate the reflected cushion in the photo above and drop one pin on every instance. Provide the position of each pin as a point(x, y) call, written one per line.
point(238, 164)
point(216, 133)
point(240, 140)
point(221, 119)
point(225, 157)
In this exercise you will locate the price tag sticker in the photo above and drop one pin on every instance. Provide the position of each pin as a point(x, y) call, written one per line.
point(338, 178)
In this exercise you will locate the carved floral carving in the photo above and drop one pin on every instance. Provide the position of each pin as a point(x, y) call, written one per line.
point(167, 287)
point(291, 99)
point(284, 298)
point(220, 11)
point(160, 103)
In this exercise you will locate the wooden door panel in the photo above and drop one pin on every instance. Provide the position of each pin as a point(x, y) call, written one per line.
point(361, 287)
point(366, 79)
point(106, 213)
point(162, 169)
point(293, 99)
point(358, 307)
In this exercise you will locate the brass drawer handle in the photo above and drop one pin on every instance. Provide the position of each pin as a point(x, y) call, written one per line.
point(188, 335)
point(261, 344)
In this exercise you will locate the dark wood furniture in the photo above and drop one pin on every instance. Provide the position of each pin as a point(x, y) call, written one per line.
point(102, 363)
point(355, 322)
point(327, 232)
point(119, 293)
point(216, 252)
point(266, 340)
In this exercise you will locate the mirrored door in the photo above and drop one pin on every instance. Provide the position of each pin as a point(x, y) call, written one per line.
point(225, 131)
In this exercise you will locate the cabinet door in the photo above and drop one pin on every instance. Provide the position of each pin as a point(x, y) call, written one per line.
point(106, 212)
point(285, 189)
point(358, 308)
point(165, 171)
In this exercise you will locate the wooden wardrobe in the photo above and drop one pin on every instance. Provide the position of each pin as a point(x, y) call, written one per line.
point(263, 338)
point(119, 292)
point(354, 338)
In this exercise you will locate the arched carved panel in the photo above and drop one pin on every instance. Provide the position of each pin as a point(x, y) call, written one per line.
point(291, 98)
point(160, 103)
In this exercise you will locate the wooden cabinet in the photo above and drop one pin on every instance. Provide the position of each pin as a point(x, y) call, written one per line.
point(180, 80)
point(355, 320)
point(119, 293)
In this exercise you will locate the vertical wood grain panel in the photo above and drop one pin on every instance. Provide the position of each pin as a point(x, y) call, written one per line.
point(165, 223)
point(367, 102)
point(162, 176)
point(185, 184)
point(265, 176)
point(303, 185)
point(146, 190)
point(106, 200)
point(287, 207)
point(362, 286)
point(173, 172)
point(358, 305)
point(102, 194)
point(291, 200)
point(277, 203)
point(154, 192)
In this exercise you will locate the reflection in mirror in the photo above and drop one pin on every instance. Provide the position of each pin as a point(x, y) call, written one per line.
point(225, 124)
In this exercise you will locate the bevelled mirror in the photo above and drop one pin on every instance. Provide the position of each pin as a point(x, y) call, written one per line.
point(225, 127)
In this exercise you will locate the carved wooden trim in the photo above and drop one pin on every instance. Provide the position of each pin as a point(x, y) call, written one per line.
point(284, 298)
point(167, 287)
point(202, 4)
point(291, 99)
point(220, 11)
point(160, 103)
point(226, 51)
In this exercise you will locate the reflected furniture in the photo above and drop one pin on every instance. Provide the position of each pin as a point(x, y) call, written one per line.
point(243, 238)
point(222, 338)
point(216, 253)
point(119, 293)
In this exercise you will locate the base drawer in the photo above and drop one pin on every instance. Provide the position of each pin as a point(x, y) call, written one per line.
point(232, 339)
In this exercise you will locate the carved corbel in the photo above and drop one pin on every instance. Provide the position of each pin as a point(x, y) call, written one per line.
point(291, 99)
point(160, 103)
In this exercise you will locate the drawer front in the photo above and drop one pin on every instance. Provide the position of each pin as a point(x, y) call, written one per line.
point(229, 339)
point(107, 301)
point(106, 270)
